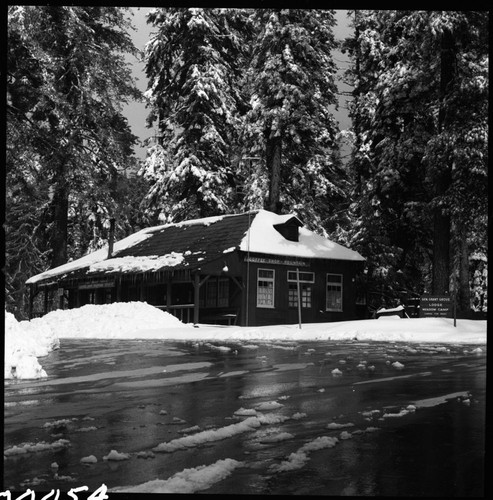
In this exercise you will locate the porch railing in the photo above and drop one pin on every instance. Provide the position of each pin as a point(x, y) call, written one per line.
point(184, 312)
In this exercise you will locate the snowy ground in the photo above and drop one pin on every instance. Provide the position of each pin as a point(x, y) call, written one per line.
point(25, 341)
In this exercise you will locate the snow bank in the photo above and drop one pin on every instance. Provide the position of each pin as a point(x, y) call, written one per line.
point(23, 344)
point(385, 329)
point(299, 458)
point(25, 448)
point(115, 455)
point(212, 435)
point(335, 425)
point(275, 438)
point(121, 320)
point(188, 480)
point(27, 340)
point(207, 436)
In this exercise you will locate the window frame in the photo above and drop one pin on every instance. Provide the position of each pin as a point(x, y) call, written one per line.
point(211, 291)
point(223, 292)
point(306, 288)
point(301, 279)
point(271, 280)
point(214, 293)
point(334, 283)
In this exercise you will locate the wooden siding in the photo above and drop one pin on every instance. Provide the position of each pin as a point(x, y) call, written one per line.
point(176, 289)
point(281, 313)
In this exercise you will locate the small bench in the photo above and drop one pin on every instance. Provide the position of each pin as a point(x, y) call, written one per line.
point(230, 318)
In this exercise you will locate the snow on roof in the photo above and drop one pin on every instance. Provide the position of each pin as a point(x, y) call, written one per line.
point(281, 219)
point(137, 264)
point(94, 257)
point(206, 221)
point(264, 238)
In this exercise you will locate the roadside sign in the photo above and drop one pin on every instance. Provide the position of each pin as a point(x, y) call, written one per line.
point(436, 306)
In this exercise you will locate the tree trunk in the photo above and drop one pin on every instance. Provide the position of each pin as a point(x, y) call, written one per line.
point(441, 220)
point(273, 158)
point(464, 296)
point(441, 253)
point(59, 232)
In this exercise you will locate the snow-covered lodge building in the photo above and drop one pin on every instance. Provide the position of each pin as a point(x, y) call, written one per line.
point(248, 269)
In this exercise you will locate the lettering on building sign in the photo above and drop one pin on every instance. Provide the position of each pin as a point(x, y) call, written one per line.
point(435, 306)
point(285, 262)
point(96, 284)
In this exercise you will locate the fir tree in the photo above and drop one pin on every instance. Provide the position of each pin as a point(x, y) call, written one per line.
point(193, 62)
point(67, 81)
point(291, 83)
point(419, 115)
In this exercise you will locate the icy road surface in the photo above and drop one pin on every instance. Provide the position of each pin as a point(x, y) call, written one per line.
point(316, 418)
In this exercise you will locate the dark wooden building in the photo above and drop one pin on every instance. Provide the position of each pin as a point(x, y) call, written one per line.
point(250, 269)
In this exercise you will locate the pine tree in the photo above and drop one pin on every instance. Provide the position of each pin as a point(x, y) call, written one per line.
point(193, 62)
point(67, 81)
point(75, 110)
point(419, 113)
point(291, 83)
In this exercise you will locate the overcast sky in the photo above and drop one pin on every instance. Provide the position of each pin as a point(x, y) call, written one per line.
point(137, 112)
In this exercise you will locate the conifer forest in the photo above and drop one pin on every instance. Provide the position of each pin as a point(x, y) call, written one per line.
point(243, 102)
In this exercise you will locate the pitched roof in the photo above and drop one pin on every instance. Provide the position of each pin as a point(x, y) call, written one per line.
point(189, 244)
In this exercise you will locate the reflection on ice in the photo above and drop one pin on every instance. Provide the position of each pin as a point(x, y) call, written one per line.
point(429, 402)
point(161, 382)
point(386, 379)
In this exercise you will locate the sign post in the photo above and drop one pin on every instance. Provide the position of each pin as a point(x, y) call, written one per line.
point(455, 308)
point(299, 296)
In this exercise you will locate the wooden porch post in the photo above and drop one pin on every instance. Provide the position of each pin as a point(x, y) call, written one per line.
point(61, 299)
point(142, 290)
point(118, 289)
point(196, 297)
point(31, 300)
point(299, 296)
point(45, 300)
point(168, 293)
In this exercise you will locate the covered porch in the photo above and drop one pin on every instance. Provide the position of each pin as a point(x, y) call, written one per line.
point(191, 296)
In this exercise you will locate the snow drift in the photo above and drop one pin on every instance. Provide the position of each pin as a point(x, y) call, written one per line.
point(26, 341)
point(23, 345)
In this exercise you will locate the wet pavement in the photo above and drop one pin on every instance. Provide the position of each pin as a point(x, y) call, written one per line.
point(409, 418)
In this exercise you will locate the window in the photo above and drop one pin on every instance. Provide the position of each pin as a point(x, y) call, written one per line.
point(306, 280)
point(211, 293)
point(334, 292)
point(265, 288)
point(223, 292)
point(216, 293)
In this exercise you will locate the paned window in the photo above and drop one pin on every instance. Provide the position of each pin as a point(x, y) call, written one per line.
point(216, 293)
point(306, 289)
point(334, 292)
point(223, 292)
point(211, 293)
point(265, 288)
